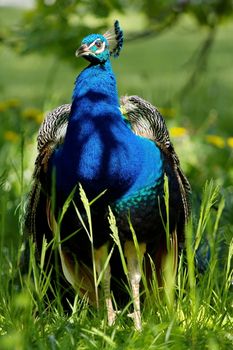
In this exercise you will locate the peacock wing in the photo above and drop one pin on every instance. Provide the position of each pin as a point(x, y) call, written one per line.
point(51, 133)
point(147, 121)
point(39, 222)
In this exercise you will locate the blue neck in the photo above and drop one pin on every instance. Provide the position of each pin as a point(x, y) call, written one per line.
point(100, 151)
point(96, 84)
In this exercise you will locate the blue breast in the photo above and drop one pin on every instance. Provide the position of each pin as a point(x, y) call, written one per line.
point(100, 151)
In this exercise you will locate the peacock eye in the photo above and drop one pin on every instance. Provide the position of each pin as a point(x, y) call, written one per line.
point(98, 43)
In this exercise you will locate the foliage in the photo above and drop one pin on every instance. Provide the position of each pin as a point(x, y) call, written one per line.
point(55, 26)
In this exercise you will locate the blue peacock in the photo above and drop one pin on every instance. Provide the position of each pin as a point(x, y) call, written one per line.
point(124, 154)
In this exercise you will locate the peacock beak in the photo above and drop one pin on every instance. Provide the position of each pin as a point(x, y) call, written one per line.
point(83, 50)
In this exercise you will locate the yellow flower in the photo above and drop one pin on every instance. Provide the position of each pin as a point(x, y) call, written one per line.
point(39, 118)
point(177, 131)
point(13, 102)
point(11, 136)
point(167, 112)
point(31, 113)
point(3, 106)
point(215, 140)
point(230, 142)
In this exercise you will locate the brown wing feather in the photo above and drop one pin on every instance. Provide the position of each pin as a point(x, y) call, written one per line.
point(51, 134)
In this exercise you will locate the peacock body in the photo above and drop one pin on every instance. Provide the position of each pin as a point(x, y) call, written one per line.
point(122, 157)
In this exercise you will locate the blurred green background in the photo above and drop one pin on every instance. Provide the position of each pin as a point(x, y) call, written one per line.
point(176, 54)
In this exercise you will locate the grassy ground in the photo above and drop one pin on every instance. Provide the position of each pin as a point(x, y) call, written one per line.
point(195, 314)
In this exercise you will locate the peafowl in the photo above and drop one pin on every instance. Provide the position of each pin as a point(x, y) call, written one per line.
point(120, 156)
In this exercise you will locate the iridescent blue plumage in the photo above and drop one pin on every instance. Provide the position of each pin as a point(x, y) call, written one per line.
point(103, 151)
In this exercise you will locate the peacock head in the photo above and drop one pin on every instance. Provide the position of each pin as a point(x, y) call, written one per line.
point(98, 48)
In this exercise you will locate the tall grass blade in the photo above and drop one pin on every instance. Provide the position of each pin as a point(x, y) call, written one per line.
point(86, 205)
point(116, 239)
point(209, 198)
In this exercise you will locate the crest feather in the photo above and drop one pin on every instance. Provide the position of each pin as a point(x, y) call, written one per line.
point(114, 37)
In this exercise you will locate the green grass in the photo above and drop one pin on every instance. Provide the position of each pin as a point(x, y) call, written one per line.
point(192, 312)
point(198, 313)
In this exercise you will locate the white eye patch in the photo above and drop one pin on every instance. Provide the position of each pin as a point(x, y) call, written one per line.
point(101, 49)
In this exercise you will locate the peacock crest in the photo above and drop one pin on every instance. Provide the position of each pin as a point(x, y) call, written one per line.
point(114, 36)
